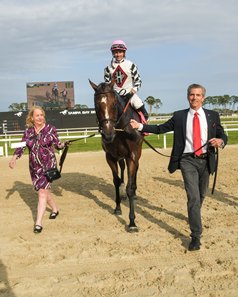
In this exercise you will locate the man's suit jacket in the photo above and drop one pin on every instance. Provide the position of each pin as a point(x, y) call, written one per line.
point(178, 124)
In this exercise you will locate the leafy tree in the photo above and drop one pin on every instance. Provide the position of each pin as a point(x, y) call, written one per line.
point(18, 106)
point(208, 101)
point(80, 106)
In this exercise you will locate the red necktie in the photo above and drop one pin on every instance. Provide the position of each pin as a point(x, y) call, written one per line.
point(197, 142)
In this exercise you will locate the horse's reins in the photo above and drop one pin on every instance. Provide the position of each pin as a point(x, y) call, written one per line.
point(169, 156)
point(65, 151)
point(154, 149)
point(191, 154)
point(151, 146)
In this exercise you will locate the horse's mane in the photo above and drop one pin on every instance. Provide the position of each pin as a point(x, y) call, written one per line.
point(130, 112)
point(104, 87)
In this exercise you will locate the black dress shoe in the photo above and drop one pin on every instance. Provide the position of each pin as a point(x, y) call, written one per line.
point(37, 229)
point(194, 244)
point(53, 215)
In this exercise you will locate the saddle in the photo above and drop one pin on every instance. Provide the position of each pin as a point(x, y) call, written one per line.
point(125, 101)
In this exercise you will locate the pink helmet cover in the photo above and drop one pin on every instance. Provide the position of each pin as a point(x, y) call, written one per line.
point(118, 45)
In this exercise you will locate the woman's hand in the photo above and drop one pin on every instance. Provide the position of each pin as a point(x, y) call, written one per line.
point(67, 143)
point(12, 163)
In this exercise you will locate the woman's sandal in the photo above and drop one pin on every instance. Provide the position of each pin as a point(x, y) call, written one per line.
point(37, 229)
point(53, 215)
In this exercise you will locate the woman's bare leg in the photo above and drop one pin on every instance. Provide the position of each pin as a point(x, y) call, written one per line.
point(42, 202)
point(51, 202)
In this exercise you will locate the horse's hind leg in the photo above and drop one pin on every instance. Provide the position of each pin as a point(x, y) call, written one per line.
point(116, 181)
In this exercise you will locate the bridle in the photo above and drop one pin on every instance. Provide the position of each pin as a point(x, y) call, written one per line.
point(109, 120)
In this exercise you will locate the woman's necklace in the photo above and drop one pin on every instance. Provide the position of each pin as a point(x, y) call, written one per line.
point(38, 129)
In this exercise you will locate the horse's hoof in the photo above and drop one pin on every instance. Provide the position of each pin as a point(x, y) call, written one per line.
point(117, 212)
point(132, 229)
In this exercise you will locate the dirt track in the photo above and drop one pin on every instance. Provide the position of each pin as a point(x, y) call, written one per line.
point(86, 251)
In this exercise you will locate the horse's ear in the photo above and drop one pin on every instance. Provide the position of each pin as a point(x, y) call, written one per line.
point(93, 85)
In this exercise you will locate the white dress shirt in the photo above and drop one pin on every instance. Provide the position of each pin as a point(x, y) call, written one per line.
point(189, 130)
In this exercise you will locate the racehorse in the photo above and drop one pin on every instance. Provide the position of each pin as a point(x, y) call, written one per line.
point(55, 93)
point(120, 142)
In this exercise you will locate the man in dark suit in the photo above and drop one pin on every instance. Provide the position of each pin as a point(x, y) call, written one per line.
point(196, 162)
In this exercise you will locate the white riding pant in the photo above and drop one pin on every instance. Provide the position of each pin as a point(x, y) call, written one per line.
point(136, 102)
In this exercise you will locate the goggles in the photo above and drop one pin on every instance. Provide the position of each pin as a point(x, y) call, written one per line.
point(118, 47)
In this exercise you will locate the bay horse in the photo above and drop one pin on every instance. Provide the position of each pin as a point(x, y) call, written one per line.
point(120, 142)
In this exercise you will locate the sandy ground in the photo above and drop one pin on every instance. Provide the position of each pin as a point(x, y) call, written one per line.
point(87, 251)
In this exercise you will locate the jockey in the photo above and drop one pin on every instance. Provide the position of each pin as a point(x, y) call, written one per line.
point(126, 74)
point(55, 87)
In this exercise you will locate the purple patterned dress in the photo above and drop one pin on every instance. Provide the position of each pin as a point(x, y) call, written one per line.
point(41, 153)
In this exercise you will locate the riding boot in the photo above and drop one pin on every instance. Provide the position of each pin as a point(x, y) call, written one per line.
point(144, 111)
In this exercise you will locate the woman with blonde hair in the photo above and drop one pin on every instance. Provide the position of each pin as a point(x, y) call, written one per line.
point(41, 139)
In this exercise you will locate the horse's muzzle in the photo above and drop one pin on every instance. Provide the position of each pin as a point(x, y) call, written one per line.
point(108, 137)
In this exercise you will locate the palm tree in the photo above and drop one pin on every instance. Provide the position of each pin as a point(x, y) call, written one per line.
point(234, 100)
point(158, 104)
point(150, 100)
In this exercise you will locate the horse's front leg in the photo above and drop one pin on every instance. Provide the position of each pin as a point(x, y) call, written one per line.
point(116, 181)
point(132, 166)
point(122, 167)
point(122, 189)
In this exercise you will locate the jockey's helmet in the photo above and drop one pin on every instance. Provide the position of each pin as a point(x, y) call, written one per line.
point(118, 45)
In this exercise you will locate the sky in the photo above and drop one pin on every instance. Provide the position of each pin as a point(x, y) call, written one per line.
point(174, 43)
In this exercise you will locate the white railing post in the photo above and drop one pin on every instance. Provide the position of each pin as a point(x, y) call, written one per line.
point(85, 134)
point(165, 144)
point(6, 149)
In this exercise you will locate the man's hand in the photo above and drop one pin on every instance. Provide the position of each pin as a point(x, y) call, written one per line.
point(134, 124)
point(216, 142)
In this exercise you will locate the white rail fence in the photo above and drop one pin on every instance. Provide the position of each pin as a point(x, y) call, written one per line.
point(11, 140)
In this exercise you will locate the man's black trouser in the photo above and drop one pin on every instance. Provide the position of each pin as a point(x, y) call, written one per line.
point(196, 180)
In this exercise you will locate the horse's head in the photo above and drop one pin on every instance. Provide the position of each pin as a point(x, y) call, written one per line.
point(106, 106)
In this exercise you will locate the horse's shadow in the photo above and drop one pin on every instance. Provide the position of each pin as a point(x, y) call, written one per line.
point(5, 288)
point(87, 185)
point(78, 183)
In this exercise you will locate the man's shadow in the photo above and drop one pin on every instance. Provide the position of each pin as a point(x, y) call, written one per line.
point(5, 288)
